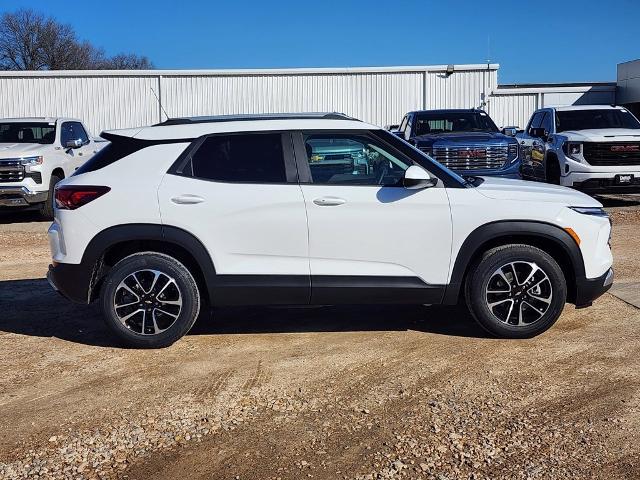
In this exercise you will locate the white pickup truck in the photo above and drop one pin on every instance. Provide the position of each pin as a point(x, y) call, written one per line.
point(35, 154)
point(594, 148)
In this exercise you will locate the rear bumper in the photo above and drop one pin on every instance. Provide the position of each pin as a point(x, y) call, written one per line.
point(20, 196)
point(588, 289)
point(70, 281)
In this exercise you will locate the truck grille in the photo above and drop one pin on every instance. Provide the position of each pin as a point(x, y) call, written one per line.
point(11, 171)
point(472, 157)
point(612, 154)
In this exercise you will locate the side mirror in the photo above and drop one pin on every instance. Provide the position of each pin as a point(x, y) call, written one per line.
point(74, 143)
point(510, 131)
point(417, 178)
point(539, 133)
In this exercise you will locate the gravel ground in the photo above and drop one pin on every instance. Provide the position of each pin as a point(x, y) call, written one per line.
point(349, 392)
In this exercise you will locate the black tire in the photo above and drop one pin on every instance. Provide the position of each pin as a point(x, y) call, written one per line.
point(523, 298)
point(170, 328)
point(553, 171)
point(46, 208)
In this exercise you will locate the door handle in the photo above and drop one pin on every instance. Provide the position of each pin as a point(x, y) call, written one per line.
point(536, 143)
point(522, 142)
point(329, 201)
point(187, 199)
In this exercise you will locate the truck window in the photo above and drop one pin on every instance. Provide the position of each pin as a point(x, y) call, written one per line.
point(546, 123)
point(536, 121)
point(27, 132)
point(72, 131)
point(453, 121)
point(593, 119)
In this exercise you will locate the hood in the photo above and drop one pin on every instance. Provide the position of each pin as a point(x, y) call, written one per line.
point(603, 134)
point(508, 189)
point(12, 150)
point(463, 138)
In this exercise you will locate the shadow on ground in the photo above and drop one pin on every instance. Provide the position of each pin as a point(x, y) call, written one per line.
point(619, 200)
point(31, 307)
point(21, 216)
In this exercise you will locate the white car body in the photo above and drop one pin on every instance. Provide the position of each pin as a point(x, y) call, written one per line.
point(406, 231)
point(575, 170)
point(24, 185)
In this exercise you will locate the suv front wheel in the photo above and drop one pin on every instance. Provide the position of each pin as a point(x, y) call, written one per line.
point(516, 291)
point(150, 300)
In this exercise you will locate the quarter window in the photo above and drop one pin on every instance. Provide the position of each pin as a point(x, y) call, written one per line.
point(352, 160)
point(256, 158)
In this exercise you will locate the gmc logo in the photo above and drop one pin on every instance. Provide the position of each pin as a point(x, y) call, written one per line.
point(625, 148)
point(477, 153)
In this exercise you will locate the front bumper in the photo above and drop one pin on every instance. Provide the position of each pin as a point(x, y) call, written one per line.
point(588, 289)
point(20, 196)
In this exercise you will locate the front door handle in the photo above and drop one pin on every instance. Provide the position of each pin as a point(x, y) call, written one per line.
point(329, 201)
point(187, 199)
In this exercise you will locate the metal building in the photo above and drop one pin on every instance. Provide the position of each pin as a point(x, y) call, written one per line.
point(380, 95)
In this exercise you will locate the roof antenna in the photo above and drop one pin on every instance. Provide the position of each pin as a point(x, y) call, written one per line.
point(160, 103)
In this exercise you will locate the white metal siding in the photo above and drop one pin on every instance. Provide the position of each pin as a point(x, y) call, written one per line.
point(377, 98)
point(380, 95)
point(512, 110)
point(107, 100)
point(102, 102)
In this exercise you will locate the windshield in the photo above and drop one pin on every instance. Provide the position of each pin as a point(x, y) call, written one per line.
point(27, 132)
point(593, 119)
point(447, 122)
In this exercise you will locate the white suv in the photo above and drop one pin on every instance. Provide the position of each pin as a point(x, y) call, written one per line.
point(594, 148)
point(312, 209)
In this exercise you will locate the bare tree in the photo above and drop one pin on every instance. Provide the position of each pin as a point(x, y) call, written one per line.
point(31, 41)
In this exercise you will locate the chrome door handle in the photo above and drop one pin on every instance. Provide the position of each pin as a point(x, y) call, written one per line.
point(329, 201)
point(187, 199)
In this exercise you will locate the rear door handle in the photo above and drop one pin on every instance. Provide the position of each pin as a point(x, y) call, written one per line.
point(187, 199)
point(329, 201)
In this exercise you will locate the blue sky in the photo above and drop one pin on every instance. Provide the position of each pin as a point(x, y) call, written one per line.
point(559, 41)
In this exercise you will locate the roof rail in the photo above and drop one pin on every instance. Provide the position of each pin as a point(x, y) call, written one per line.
point(254, 117)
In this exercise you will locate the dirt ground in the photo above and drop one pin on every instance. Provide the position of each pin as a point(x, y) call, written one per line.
point(324, 393)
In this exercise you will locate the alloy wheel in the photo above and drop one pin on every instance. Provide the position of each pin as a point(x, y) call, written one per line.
point(519, 293)
point(148, 302)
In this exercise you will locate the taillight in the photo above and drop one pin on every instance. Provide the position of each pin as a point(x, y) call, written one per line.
point(70, 197)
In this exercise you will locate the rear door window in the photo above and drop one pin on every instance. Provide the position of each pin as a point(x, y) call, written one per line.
point(241, 158)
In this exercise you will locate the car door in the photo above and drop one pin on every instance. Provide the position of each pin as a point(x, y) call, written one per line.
point(71, 132)
point(370, 239)
point(238, 194)
point(526, 145)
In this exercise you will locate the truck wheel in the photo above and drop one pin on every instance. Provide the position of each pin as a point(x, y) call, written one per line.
point(46, 208)
point(149, 300)
point(516, 291)
point(553, 171)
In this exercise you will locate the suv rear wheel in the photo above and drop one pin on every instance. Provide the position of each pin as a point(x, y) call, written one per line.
point(516, 291)
point(150, 300)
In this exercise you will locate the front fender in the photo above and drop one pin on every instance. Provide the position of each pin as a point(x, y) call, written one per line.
point(511, 231)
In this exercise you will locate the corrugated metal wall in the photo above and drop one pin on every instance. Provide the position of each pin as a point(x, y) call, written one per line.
point(112, 99)
point(107, 100)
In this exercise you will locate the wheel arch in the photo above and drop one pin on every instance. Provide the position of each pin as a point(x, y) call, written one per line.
point(114, 243)
point(548, 237)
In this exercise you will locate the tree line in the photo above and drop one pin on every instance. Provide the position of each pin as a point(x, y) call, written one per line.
point(32, 41)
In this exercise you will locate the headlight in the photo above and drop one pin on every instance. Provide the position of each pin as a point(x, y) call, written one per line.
point(513, 152)
point(30, 161)
point(573, 150)
point(595, 211)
